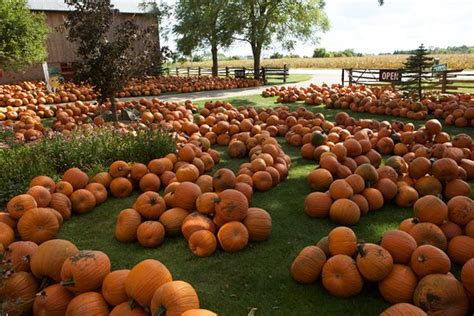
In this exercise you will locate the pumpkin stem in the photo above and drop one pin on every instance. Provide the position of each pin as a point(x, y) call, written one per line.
point(161, 311)
point(415, 220)
point(360, 249)
point(132, 304)
point(68, 282)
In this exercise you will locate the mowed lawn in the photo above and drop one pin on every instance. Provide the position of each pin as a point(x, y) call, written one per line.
point(259, 275)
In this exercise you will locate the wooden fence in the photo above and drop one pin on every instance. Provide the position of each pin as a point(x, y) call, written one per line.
point(267, 73)
point(448, 81)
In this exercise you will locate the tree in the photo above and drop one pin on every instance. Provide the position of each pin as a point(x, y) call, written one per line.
point(283, 20)
point(320, 53)
point(203, 23)
point(417, 69)
point(109, 57)
point(22, 35)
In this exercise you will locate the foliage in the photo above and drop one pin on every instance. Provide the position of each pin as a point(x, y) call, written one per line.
point(89, 151)
point(464, 49)
point(283, 20)
point(276, 55)
point(205, 23)
point(110, 54)
point(418, 71)
point(22, 35)
point(322, 53)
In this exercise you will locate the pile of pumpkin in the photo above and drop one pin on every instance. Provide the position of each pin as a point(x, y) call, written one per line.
point(454, 109)
point(411, 264)
point(56, 278)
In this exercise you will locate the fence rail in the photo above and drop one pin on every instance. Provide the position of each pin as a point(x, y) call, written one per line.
point(448, 81)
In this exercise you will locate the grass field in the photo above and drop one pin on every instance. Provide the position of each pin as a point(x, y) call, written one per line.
point(454, 61)
point(258, 276)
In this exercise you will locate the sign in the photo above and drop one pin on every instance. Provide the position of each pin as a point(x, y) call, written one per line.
point(439, 68)
point(390, 75)
point(52, 77)
point(46, 76)
point(238, 73)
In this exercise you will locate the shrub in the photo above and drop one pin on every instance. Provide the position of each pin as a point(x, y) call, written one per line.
point(89, 151)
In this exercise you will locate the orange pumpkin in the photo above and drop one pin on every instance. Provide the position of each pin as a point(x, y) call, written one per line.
point(340, 189)
point(400, 244)
point(258, 223)
point(402, 309)
point(429, 234)
point(233, 236)
point(150, 205)
point(99, 191)
point(317, 204)
point(399, 285)
point(41, 195)
point(460, 210)
point(19, 204)
point(174, 297)
point(128, 309)
point(76, 177)
point(7, 235)
point(138, 170)
point(194, 222)
point(223, 179)
point(62, 204)
point(307, 266)
point(121, 187)
point(342, 240)
point(83, 201)
point(113, 287)
point(340, 276)
point(89, 303)
point(44, 181)
point(64, 187)
point(202, 243)
point(19, 253)
point(150, 182)
point(38, 225)
point(344, 212)
point(185, 195)
point(150, 234)
point(320, 179)
point(18, 287)
point(428, 259)
point(119, 168)
point(461, 249)
point(103, 178)
point(373, 262)
point(52, 300)
point(430, 209)
point(232, 205)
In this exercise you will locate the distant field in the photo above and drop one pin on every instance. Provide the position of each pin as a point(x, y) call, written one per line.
point(454, 61)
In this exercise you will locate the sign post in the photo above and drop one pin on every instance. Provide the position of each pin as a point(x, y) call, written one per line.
point(439, 68)
point(390, 75)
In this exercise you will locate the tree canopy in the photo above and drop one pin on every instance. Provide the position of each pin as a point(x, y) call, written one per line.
point(22, 35)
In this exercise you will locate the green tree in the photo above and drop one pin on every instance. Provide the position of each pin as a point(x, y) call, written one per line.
point(284, 20)
point(204, 23)
point(320, 53)
point(417, 69)
point(109, 56)
point(22, 35)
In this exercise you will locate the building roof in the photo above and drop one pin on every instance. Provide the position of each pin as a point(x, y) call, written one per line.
point(124, 6)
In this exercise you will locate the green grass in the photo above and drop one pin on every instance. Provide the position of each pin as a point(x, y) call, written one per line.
point(292, 78)
point(258, 276)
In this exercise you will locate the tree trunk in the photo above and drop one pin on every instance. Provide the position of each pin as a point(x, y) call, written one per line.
point(158, 45)
point(113, 108)
point(257, 52)
point(214, 61)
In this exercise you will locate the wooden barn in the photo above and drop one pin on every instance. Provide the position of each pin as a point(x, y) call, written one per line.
point(61, 52)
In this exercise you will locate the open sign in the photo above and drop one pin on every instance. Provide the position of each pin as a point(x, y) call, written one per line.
point(390, 75)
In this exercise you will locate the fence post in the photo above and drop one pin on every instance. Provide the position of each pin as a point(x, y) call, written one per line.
point(342, 76)
point(350, 76)
point(199, 71)
point(285, 72)
point(243, 69)
point(189, 69)
point(264, 76)
point(177, 71)
point(444, 82)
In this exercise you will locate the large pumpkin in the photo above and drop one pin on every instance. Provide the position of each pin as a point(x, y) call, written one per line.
point(19, 204)
point(194, 222)
point(403, 309)
point(340, 276)
point(150, 205)
point(83, 201)
point(144, 279)
point(460, 210)
point(172, 220)
point(76, 177)
point(174, 298)
point(185, 195)
point(441, 294)
point(113, 287)
point(150, 234)
point(233, 236)
point(399, 285)
point(428, 259)
point(429, 234)
point(258, 223)
point(18, 291)
point(48, 259)
point(461, 249)
point(52, 301)
point(121, 187)
point(223, 179)
point(202, 243)
point(430, 209)
point(317, 204)
point(127, 224)
point(445, 169)
point(320, 179)
point(342, 240)
point(232, 205)
point(400, 244)
point(373, 262)
point(344, 212)
point(38, 225)
point(307, 266)
point(61, 203)
point(89, 303)
point(19, 253)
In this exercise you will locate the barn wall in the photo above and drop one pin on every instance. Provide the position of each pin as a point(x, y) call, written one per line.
point(60, 50)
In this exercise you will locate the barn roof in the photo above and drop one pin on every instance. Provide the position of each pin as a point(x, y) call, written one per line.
point(124, 6)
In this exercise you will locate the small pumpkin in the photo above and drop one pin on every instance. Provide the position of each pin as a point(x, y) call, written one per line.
point(373, 261)
point(258, 223)
point(399, 285)
point(233, 236)
point(52, 301)
point(340, 276)
point(38, 225)
point(428, 259)
point(400, 244)
point(113, 287)
point(202, 243)
point(150, 205)
point(150, 234)
point(89, 303)
point(127, 224)
point(174, 298)
point(83, 201)
point(307, 266)
point(342, 240)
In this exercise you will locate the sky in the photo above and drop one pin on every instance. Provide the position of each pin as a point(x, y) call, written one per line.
point(366, 27)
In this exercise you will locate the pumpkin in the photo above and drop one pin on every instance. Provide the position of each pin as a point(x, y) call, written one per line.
point(233, 236)
point(5, 218)
point(38, 225)
point(150, 234)
point(429, 234)
point(113, 287)
point(460, 210)
point(402, 309)
point(76, 177)
point(467, 275)
point(138, 170)
point(406, 197)
point(103, 178)
point(53, 300)
point(340, 276)
point(128, 309)
point(451, 229)
point(89, 303)
point(428, 185)
point(159, 166)
point(186, 153)
point(150, 205)
point(237, 149)
point(231, 205)
point(7, 235)
point(64, 187)
point(427, 259)
point(323, 243)
point(18, 292)
point(307, 266)
point(121, 187)
point(187, 172)
point(150, 182)
point(258, 223)
point(205, 203)
point(172, 220)
point(44, 181)
point(400, 244)
point(340, 189)
point(174, 298)
point(430, 209)
point(344, 212)
point(41, 195)
point(388, 188)
point(356, 182)
point(317, 204)
point(144, 279)
point(194, 222)
point(185, 195)
point(399, 285)
point(99, 191)
point(62, 204)
point(19, 253)
point(342, 240)
point(368, 173)
point(441, 294)
point(119, 168)
point(456, 187)
point(353, 147)
point(202, 243)
point(320, 179)
point(127, 224)
point(198, 312)
point(19, 204)
point(48, 259)
point(373, 262)
point(223, 179)
point(83, 201)
point(419, 167)
point(445, 169)
point(461, 249)
point(469, 229)
point(246, 189)
point(374, 198)
point(205, 183)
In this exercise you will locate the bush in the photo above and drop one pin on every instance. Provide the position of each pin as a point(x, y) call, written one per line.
point(89, 151)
